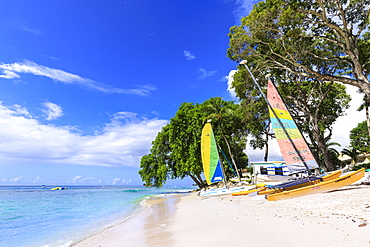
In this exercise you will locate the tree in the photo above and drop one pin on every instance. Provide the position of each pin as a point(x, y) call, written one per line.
point(176, 150)
point(327, 40)
point(359, 137)
point(253, 110)
point(277, 37)
point(333, 154)
point(353, 153)
point(315, 106)
point(218, 112)
point(365, 105)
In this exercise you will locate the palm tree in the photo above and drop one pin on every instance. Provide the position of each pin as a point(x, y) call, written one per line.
point(220, 110)
point(353, 153)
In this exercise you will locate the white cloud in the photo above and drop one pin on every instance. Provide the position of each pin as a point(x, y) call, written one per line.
point(20, 111)
point(204, 73)
point(257, 155)
point(12, 70)
point(116, 181)
point(52, 111)
point(122, 142)
point(9, 75)
point(230, 78)
point(344, 124)
point(80, 180)
point(189, 55)
point(16, 179)
point(37, 179)
point(242, 8)
point(75, 179)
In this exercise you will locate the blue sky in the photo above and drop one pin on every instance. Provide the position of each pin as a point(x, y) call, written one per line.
point(85, 86)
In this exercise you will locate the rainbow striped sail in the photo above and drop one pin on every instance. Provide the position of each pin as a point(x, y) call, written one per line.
point(292, 159)
point(210, 158)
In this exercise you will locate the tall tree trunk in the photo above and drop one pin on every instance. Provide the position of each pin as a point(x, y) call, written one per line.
point(267, 146)
point(198, 181)
point(367, 113)
point(321, 145)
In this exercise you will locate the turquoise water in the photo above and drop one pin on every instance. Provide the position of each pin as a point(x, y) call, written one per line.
point(35, 216)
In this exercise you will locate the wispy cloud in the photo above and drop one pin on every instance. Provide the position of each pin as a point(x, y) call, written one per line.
point(24, 26)
point(204, 73)
point(12, 70)
point(189, 55)
point(242, 8)
point(79, 179)
point(16, 179)
point(30, 30)
point(122, 142)
point(52, 111)
point(116, 180)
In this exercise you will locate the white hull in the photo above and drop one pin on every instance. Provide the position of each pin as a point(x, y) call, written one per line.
point(222, 191)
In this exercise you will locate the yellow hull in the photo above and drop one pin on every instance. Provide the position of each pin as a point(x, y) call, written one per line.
point(321, 187)
point(242, 193)
point(327, 177)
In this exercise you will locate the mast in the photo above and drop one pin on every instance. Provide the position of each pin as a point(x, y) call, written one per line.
point(244, 62)
point(223, 170)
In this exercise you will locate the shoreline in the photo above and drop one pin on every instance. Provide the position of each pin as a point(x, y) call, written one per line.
point(339, 218)
point(129, 231)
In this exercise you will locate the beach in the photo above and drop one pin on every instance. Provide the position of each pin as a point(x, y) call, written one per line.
point(338, 218)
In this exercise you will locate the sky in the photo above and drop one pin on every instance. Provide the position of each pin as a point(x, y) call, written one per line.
point(85, 86)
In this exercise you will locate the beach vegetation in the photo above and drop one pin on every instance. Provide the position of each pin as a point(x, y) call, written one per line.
point(365, 165)
point(353, 153)
point(308, 47)
point(175, 152)
point(359, 137)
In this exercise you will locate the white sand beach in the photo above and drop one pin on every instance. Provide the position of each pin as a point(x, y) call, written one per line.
point(340, 218)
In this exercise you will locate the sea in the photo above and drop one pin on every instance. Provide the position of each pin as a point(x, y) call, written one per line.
point(41, 217)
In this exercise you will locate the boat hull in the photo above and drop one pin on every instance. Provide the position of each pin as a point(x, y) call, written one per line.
point(321, 187)
point(222, 191)
point(324, 178)
point(247, 192)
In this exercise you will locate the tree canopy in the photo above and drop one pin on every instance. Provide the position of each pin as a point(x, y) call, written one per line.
point(359, 137)
point(175, 152)
point(306, 46)
point(326, 40)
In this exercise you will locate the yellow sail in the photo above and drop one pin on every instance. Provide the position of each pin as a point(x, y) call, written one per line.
point(210, 158)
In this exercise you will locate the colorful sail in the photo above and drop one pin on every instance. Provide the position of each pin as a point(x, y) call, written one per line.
point(292, 159)
point(210, 158)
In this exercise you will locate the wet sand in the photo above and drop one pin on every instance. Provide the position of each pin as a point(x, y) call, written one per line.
point(340, 218)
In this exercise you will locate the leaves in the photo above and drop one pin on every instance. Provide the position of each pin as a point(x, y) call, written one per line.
point(176, 150)
point(325, 40)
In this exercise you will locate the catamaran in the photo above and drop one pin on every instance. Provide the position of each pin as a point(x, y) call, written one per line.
point(297, 154)
point(212, 165)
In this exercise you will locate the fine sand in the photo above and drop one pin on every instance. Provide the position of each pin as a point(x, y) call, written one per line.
point(340, 218)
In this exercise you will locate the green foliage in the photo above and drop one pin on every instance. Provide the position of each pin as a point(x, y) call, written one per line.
point(324, 40)
point(305, 48)
point(359, 137)
point(366, 165)
point(353, 153)
point(176, 150)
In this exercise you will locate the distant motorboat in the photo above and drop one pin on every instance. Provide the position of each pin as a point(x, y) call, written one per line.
point(59, 188)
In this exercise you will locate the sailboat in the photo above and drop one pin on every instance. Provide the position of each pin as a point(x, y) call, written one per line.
point(213, 170)
point(297, 154)
point(212, 165)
